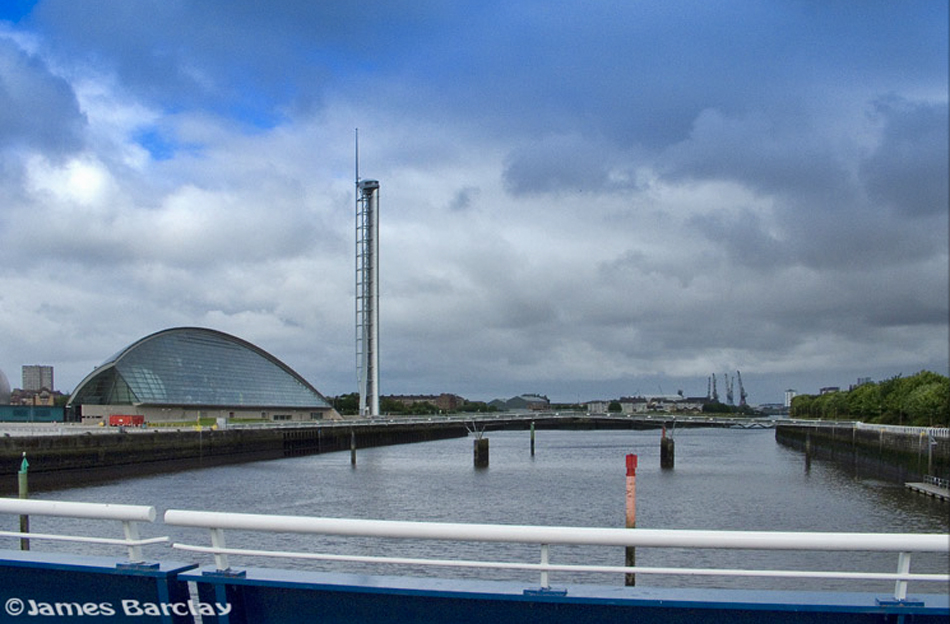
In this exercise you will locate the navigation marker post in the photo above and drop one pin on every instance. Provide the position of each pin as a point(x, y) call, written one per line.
point(24, 489)
point(532, 438)
point(630, 559)
point(667, 450)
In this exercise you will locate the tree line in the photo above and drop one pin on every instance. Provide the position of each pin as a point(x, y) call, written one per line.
point(922, 400)
point(348, 405)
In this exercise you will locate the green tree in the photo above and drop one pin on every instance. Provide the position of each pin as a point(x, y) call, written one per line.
point(346, 404)
point(928, 404)
point(864, 402)
point(803, 406)
point(715, 407)
point(920, 400)
point(835, 405)
point(477, 406)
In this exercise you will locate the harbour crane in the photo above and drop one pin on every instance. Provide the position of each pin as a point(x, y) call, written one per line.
point(742, 392)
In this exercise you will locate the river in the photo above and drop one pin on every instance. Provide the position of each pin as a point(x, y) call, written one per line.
point(723, 479)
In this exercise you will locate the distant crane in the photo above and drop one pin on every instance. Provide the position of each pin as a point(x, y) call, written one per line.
point(729, 395)
point(742, 392)
point(715, 393)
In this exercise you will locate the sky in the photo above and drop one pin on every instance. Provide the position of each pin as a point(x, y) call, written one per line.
point(580, 200)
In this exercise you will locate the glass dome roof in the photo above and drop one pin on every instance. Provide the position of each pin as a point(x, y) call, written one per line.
point(198, 367)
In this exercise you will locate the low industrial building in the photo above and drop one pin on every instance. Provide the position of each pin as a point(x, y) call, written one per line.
point(188, 374)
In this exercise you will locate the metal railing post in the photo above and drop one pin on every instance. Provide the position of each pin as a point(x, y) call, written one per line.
point(217, 541)
point(545, 559)
point(903, 567)
point(132, 534)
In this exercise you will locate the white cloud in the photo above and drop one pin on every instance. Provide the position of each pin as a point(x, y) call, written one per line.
point(586, 226)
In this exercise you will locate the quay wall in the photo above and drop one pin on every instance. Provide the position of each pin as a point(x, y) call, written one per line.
point(892, 453)
point(61, 461)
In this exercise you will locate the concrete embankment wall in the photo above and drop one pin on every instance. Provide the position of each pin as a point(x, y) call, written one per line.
point(61, 461)
point(892, 453)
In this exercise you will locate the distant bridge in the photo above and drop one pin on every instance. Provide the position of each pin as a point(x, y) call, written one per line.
point(567, 420)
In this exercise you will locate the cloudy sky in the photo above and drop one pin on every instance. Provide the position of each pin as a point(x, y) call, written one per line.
point(584, 200)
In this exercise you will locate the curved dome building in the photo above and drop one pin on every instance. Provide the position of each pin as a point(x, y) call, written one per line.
point(185, 373)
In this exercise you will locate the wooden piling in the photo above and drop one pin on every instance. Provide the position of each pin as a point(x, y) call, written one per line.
point(630, 558)
point(532, 438)
point(352, 447)
point(481, 452)
point(667, 451)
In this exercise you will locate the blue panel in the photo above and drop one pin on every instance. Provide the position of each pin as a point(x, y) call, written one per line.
point(31, 413)
point(75, 588)
point(264, 596)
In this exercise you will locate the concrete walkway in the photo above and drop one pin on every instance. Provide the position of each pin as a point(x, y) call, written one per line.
point(930, 490)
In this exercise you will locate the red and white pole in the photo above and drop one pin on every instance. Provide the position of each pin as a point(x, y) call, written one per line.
point(630, 559)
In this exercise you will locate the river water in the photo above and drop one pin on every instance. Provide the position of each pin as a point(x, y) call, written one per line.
point(724, 479)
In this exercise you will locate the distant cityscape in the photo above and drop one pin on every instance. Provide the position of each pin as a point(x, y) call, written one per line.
point(38, 388)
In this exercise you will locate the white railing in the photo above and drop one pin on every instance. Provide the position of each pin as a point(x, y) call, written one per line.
point(904, 544)
point(932, 480)
point(128, 515)
point(933, 432)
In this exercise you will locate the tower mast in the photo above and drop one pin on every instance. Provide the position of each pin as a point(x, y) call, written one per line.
point(367, 290)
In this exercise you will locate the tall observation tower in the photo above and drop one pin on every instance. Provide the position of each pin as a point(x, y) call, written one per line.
point(367, 291)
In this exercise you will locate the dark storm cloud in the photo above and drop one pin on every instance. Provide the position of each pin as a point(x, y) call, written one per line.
point(909, 169)
point(463, 198)
point(554, 164)
point(248, 60)
point(744, 238)
point(38, 110)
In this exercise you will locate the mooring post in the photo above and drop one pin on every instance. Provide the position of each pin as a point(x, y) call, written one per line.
point(667, 450)
point(532, 438)
point(353, 447)
point(481, 452)
point(630, 558)
point(24, 488)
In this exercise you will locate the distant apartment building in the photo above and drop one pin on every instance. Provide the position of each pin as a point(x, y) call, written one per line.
point(789, 395)
point(37, 377)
